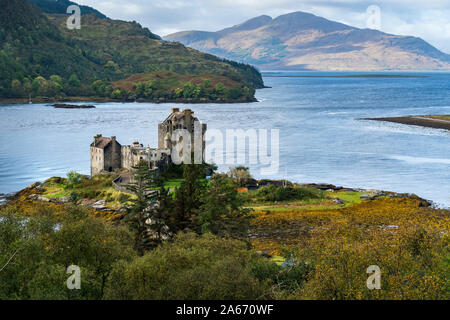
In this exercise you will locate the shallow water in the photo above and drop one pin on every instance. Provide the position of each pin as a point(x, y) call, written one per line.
point(321, 139)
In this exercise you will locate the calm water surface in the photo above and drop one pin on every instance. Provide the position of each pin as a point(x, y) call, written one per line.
point(321, 139)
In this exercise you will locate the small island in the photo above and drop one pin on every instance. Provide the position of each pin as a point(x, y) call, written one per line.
point(72, 106)
point(428, 121)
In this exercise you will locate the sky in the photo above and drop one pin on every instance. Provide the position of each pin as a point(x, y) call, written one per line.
point(427, 19)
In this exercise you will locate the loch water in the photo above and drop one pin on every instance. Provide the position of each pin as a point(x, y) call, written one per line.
point(317, 114)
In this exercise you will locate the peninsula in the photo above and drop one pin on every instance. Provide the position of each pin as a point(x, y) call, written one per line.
point(429, 121)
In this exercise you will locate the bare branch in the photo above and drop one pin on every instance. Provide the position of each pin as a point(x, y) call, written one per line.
point(9, 261)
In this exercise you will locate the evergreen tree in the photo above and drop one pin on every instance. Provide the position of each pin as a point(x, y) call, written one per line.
point(222, 211)
point(161, 215)
point(188, 199)
point(138, 213)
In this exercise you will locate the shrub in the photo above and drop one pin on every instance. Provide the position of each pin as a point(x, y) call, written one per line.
point(73, 179)
point(272, 193)
point(190, 268)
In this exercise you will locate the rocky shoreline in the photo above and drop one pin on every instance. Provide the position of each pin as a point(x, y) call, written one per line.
point(100, 99)
point(422, 121)
point(34, 193)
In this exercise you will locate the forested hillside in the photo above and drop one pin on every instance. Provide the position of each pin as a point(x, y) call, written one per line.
point(41, 57)
point(60, 6)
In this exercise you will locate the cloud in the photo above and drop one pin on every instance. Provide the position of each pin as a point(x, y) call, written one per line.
point(426, 19)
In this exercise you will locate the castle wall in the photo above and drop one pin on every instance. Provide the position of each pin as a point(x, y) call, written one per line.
point(127, 161)
point(162, 132)
point(116, 154)
point(107, 159)
point(97, 164)
point(132, 156)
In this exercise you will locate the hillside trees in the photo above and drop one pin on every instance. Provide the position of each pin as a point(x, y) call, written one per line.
point(46, 244)
point(35, 44)
point(193, 268)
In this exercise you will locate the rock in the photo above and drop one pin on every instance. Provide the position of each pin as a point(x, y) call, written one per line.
point(37, 197)
point(2, 198)
point(324, 186)
point(72, 106)
point(265, 253)
point(99, 205)
point(289, 263)
point(62, 200)
point(367, 197)
point(34, 185)
point(338, 201)
point(425, 204)
point(40, 188)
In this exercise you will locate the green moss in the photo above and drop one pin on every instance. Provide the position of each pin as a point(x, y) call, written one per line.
point(349, 197)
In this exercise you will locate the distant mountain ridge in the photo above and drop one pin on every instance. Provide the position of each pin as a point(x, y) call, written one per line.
point(304, 41)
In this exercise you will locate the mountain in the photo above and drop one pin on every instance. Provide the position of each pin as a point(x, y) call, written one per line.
point(34, 44)
point(60, 6)
point(304, 41)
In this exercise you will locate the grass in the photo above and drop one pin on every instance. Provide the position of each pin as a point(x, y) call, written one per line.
point(441, 117)
point(349, 198)
point(173, 183)
point(97, 188)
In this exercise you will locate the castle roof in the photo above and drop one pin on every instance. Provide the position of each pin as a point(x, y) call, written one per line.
point(101, 142)
point(177, 115)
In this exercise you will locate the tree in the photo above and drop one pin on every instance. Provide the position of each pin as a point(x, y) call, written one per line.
point(234, 93)
point(161, 215)
point(222, 211)
point(74, 81)
point(220, 88)
point(188, 199)
point(57, 79)
point(191, 268)
point(111, 65)
point(39, 86)
point(16, 89)
point(98, 87)
point(45, 244)
point(206, 83)
point(241, 175)
point(138, 213)
point(188, 90)
point(178, 92)
point(73, 179)
point(94, 245)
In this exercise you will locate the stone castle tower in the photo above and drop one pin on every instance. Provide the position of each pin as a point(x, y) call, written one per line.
point(108, 155)
point(179, 120)
point(105, 155)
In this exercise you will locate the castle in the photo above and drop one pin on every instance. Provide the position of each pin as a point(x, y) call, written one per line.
point(108, 155)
